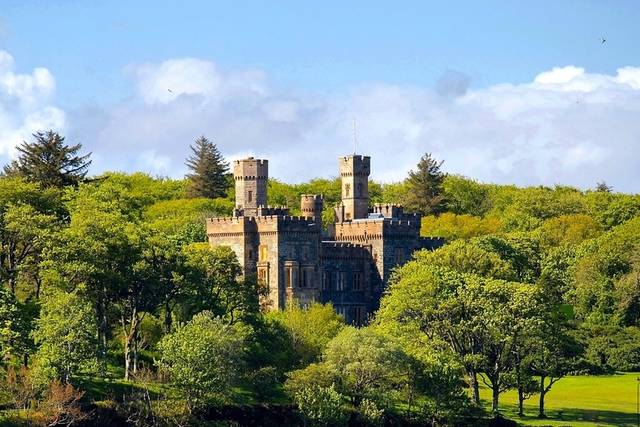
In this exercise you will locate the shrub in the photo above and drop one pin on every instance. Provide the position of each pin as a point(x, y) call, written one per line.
point(203, 358)
point(321, 406)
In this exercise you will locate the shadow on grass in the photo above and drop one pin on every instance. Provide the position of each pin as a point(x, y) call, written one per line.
point(571, 415)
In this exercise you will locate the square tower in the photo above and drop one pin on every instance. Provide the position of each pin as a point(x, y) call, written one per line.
point(354, 171)
point(251, 177)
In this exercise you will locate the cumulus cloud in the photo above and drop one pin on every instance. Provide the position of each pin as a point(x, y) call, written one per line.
point(25, 104)
point(566, 126)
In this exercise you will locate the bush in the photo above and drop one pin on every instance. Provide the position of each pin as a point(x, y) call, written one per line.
point(370, 414)
point(203, 358)
point(321, 406)
point(264, 381)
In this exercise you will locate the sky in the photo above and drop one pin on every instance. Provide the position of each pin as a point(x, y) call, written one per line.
point(502, 91)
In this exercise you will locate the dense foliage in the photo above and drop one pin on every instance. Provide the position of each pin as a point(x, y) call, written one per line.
point(111, 298)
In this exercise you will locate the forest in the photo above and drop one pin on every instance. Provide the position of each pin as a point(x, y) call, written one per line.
point(114, 309)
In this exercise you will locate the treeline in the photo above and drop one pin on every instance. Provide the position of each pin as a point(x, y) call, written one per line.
point(113, 308)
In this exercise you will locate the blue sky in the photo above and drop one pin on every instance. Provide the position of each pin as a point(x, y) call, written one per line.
point(259, 77)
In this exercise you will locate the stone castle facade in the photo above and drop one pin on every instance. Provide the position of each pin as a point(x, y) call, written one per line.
point(348, 264)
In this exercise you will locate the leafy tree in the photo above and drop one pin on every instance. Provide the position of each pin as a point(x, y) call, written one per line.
point(603, 187)
point(28, 215)
point(65, 333)
point(310, 329)
point(465, 196)
point(214, 275)
point(568, 230)
point(208, 177)
point(203, 357)
point(555, 354)
point(468, 257)
point(321, 406)
point(49, 161)
point(452, 226)
point(425, 187)
point(9, 315)
point(366, 363)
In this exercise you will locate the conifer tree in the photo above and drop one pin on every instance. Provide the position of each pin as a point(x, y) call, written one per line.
point(208, 177)
point(49, 161)
point(425, 187)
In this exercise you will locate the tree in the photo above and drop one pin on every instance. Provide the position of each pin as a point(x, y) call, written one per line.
point(9, 314)
point(66, 333)
point(49, 161)
point(425, 187)
point(321, 406)
point(28, 217)
point(214, 276)
point(208, 177)
point(203, 357)
point(555, 354)
point(366, 363)
point(466, 196)
point(309, 329)
point(603, 187)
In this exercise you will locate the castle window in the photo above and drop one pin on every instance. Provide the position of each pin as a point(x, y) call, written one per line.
point(264, 253)
point(325, 281)
point(250, 196)
point(340, 279)
point(399, 255)
point(347, 188)
point(307, 277)
point(359, 314)
point(288, 276)
point(263, 276)
point(358, 284)
point(341, 310)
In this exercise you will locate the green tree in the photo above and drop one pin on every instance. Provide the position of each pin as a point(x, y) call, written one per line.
point(9, 315)
point(309, 329)
point(203, 357)
point(208, 177)
point(424, 193)
point(65, 333)
point(465, 196)
point(321, 406)
point(48, 160)
point(366, 363)
point(214, 277)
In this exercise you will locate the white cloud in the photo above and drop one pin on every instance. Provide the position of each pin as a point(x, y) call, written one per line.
point(25, 104)
point(565, 126)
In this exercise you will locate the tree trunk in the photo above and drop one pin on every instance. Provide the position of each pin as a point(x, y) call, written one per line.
point(127, 359)
point(542, 394)
point(495, 395)
point(136, 339)
point(520, 401)
point(473, 380)
point(167, 318)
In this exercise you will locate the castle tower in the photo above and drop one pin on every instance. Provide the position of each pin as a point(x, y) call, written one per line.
point(354, 171)
point(311, 206)
point(251, 177)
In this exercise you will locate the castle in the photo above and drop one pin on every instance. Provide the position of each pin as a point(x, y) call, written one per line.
point(348, 264)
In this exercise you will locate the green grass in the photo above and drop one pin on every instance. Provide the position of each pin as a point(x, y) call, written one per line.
point(607, 400)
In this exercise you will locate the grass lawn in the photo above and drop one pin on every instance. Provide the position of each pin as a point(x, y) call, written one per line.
point(607, 400)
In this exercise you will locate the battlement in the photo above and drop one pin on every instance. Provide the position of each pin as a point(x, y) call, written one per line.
point(311, 205)
point(355, 165)
point(251, 168)
point(388, 210)
point(432, 243)
point(345, 250)
point(272, 210)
